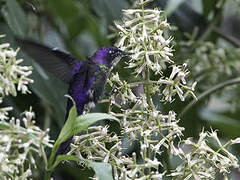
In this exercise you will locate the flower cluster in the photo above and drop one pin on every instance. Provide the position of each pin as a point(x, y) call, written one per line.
point(176, 83)
point(145, 33)
point(154, 131)
point(12, 75)
point(124, 90)
point(147, 133)
point(19, 145)
point(142, 32)
point(210, 63)
point(201, 161)
point(100, 145)
point(94, 144)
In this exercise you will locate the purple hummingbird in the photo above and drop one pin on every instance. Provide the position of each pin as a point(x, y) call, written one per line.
point(86, 79)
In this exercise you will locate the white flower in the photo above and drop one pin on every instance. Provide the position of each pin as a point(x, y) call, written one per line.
point(4, 112)
point(11, 73)
point(17, 139)
point(235, 141)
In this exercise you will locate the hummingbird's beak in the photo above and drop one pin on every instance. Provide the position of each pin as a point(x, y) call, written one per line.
point(126, 53)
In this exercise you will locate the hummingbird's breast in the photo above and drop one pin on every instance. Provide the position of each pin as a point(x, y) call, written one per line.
point(79, 90)
point(86, 87)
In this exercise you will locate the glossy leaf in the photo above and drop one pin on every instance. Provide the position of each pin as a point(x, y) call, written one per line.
point(68, 127)
point(15, 17)
point(103, 170)
point(82, 122)
point(75, 125)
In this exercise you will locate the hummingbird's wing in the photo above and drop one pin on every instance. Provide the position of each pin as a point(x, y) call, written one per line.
point(53, 60)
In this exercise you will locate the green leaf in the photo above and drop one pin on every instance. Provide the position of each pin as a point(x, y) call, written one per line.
point(64, 134)
point(75, 125)
point(15, 17)
point(67, 129)
point(103, 170)
point(228, 126)
point(172, 5)
point(208, 6)
point(109, 10)
point(64, 9)
point(82, 122)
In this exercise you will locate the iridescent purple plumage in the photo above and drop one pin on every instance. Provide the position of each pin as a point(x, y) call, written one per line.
point(106, 55)
point(76, 67)
point(86, 79)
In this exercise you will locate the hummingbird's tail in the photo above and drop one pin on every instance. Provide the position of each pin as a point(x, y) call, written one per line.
point(65, 147)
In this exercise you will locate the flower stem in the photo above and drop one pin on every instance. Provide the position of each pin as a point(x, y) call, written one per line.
point(225, 36)
point(209, 92)
point(147, 87)
point(51, 161)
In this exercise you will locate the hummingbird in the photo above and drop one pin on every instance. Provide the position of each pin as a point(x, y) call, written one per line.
point(86, 79)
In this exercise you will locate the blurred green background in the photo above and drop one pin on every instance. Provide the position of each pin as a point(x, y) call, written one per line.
point(82, 26)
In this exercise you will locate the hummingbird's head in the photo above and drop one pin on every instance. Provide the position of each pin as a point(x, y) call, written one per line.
point(109, 56)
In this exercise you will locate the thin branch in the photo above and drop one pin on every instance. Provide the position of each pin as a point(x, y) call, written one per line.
point(209, 92)
point(216, 19)
point(228, 38)
point(210, 27)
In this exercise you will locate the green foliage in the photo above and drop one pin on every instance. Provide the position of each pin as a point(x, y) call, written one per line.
point(15, 17)
point(103, 170)
point(172, 5)
point(73, 126)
